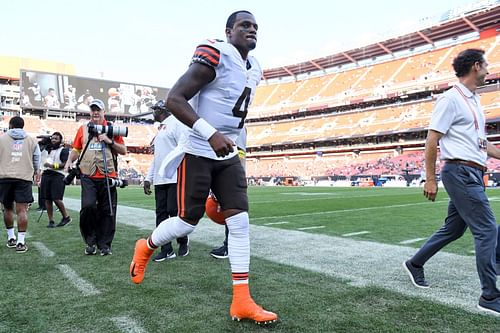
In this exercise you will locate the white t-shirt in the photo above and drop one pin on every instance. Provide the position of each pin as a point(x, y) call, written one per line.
point(223, 103)
point(453, 117)
point(171, 133)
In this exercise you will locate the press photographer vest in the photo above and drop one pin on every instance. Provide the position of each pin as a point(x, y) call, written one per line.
point(92, 159)
point(55, 157)
point(16, 157)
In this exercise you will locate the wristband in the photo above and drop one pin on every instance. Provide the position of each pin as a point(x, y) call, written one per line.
point(204, 129)
point(56, 166)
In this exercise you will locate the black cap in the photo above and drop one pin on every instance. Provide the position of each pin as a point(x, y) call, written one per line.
point(160, 105)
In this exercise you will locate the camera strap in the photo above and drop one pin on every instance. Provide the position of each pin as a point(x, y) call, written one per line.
point(79, 160)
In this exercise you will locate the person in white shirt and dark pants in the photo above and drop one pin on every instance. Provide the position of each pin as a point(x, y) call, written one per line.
point(458, 125)
point(169, 135)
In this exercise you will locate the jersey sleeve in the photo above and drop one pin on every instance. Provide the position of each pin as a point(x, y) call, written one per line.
point(207, 53)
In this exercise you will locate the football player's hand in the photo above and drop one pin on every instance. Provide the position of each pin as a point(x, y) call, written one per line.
point(147, 187)
point(221, 144)
point(430, 189)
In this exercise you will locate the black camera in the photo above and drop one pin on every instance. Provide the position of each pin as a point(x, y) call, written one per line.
point(72, 173)
point(44, 141)
point(109, 130)
point(121, 183)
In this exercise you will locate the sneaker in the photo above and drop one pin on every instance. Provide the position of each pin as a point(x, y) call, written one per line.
point(51, 224)
point(183, 249)
point(142, 254)
point(106, 251)
point(11, 243)
point(64, 221)
point(162, 256)
point(245, 308)
point(416, 275)
point(492, 307)
point(220, 253)
point(90, 250)
point(21, 248)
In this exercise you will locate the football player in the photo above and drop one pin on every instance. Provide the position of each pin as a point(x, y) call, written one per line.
point(212, 98)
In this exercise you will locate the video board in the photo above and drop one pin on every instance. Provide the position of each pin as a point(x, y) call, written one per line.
point(42, 90)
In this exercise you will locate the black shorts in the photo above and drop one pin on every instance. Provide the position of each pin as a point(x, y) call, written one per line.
point(197, 175)
point(52, 186)
point(15, 190)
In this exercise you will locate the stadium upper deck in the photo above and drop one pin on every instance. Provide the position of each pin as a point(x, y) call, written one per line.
point(418, 61)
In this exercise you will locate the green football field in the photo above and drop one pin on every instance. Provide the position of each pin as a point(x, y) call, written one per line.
point(325, 259)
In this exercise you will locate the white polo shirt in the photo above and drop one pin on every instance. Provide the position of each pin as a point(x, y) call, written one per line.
point(453, 116)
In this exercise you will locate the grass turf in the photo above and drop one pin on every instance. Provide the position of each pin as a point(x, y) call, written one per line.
point(193, 294)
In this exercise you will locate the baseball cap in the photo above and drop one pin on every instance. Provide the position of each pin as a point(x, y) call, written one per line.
point(160, 105)
point(98, 103)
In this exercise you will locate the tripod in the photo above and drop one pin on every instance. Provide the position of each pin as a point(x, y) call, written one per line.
point(106, 171)
point(103, 151)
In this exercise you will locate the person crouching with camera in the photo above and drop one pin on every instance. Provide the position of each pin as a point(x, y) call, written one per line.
point(53, 157)
point(96, 152)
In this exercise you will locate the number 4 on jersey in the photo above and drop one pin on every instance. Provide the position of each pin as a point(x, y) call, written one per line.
point(237, 112)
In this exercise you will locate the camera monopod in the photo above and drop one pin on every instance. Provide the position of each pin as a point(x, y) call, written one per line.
point(40, 216)
point(103, 150)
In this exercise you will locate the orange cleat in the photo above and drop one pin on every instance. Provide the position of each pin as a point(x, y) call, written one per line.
point(142, 254)
point(244, 307)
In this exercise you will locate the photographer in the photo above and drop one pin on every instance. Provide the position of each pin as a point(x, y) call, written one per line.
point(97, 217)
point(54, 156)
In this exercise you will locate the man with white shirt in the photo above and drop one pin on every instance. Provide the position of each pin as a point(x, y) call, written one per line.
point(169, 135)
point(458, 125)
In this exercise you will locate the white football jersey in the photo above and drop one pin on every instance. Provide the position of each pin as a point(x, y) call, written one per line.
point(224, 102)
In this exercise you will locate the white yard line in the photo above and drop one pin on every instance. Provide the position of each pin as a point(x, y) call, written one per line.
point(276, 223)
point(347, 210)
point(355, 233)
point(410, 241)
point(331, 196)
point(128, 325)
point(453, 277)
point(311, 228)
point(44, 251)
point(85, 287)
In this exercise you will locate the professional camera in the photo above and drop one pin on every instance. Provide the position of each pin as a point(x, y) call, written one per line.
point(121, 183)
point(44, 141)
point(72, 173)
point(109, 130)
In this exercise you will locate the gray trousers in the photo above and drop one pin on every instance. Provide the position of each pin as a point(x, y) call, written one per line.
point(468, 207)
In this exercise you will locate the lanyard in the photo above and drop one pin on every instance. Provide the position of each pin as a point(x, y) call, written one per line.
point(470, 107)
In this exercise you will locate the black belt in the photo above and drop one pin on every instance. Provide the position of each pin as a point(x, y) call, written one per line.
point(468, 163)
